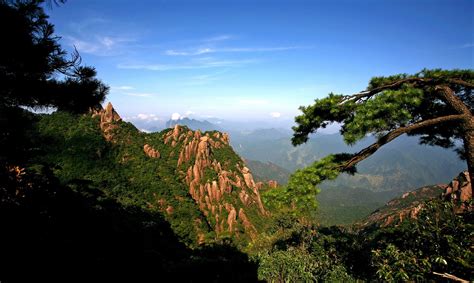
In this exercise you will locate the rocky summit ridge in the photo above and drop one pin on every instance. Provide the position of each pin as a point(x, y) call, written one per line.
point(409, 205)
point(217, 179)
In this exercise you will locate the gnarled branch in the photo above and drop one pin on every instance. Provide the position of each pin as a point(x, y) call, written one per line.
point(368, 151)
point(397, 84)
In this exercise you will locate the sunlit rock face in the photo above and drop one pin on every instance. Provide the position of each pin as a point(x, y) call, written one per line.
point(212, 184)
point(459, 191)
point(108, 118)
point(409, 205)
point(150, 151)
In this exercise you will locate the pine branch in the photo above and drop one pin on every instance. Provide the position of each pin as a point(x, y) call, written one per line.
point(398, 84)
point(368, 151)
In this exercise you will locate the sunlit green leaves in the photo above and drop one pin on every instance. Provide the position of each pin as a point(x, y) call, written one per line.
point(299, 196)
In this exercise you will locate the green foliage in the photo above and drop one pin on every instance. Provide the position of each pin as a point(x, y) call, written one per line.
point(299, 196)
point(286, 266)
point(301, 253)
point(438, 240)
point(74, 146)
point(394, 265)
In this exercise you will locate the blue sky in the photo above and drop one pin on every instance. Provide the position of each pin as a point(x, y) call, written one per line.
point(257, 60)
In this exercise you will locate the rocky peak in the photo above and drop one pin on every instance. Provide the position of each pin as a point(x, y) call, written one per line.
point(213, 195)
point(108, 116)
point(459, 191)
point(150, 151)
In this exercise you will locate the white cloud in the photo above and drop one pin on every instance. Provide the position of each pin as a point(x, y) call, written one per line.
point(144, 117)
point(125, 87)
point(275, 114)
point(139, 94)
point(189, 112)
point(175, 116)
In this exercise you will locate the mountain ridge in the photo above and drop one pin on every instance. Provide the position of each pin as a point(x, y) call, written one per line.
point(207, 173)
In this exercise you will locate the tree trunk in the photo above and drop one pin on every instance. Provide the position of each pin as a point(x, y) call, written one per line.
point(469, 147)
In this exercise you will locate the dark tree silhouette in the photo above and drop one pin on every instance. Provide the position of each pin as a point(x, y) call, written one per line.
point(35, 70)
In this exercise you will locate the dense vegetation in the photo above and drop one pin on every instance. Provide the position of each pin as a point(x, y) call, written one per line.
point(438, 241)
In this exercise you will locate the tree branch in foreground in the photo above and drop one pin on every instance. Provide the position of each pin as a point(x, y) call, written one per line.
point(452, 277)
point(398, 84)
point(368, 151)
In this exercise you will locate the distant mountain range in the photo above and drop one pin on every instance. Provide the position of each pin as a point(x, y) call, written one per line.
point(398, 166)
point(193, 124)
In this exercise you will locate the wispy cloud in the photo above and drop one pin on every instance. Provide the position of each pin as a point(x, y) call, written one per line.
point(200, 51)
point(204, 79)
point(95, 36)
point(467, 45)
point(126, 90)
point(221, 37)
point(124, 87)
point(139, 94)
point(99, 45)
point(201, 64)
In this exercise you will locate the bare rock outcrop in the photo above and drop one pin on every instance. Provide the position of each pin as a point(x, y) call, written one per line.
point(150, 151)
point(273, 184)
point(196, 154)
point(409, 205)
point(108, 118)
point(460, 192)
point(459, 189)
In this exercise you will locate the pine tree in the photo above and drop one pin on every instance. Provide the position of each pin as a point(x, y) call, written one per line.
point(436, 105)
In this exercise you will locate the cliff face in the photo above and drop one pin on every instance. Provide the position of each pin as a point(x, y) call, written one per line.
point(224, 192)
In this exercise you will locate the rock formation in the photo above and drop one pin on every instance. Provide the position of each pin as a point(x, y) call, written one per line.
point(409, 205)
point(273, 184)
point(225, 193)
point(211, 183)
point(459, 191)
point(150, 151)
point(108, 119)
